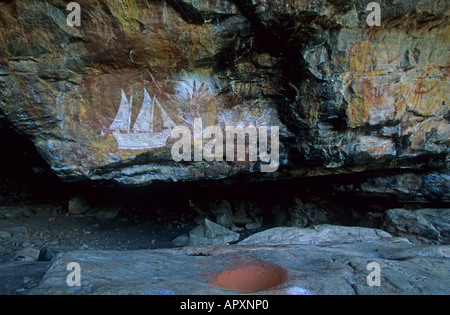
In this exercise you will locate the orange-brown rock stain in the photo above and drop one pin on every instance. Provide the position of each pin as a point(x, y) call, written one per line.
point(251, 277)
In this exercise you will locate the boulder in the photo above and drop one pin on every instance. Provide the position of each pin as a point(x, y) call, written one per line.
point(18, 277)
point(223, 213)
point(207, 232)
point(105, 214)
point(181, 240)
point(425, 225)
point(5, 234)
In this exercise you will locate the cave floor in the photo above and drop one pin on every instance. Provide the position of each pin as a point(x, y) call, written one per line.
point(23, 238)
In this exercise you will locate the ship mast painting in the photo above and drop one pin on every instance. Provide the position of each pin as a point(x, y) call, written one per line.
point(143, 136)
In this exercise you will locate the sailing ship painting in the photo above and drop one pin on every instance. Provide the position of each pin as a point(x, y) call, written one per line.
point(142, 135)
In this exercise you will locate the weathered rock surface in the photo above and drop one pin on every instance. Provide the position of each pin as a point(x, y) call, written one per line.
point(425, 225)
point(5, 234)
point(347, 97)
point(19, 277)
point(27, 254)
point(317, 235)
point(338, 268)
point(11, 212)
point(211, 233)
point(78, 205)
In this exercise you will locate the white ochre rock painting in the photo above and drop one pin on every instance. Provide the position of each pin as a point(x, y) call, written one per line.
point(143, 135)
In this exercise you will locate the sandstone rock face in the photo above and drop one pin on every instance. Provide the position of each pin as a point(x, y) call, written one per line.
point(318, 235)
point(336, 268)
point(347, 97)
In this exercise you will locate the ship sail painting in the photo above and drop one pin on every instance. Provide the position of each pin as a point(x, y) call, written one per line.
point(142, 136)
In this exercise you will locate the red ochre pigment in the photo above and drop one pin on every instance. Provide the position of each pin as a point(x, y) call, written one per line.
point(251, 277)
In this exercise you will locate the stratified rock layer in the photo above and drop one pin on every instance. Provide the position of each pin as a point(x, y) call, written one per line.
point(341, 267)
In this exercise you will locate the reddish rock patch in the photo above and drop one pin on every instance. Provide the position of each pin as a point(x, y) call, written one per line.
point(251, 277)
